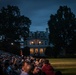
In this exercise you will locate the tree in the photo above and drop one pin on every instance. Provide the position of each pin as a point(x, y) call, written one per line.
point(12, 24)
point(26, 51)
point(7, 21)
point(62, 28)
point(24, 25)
point(48, 51)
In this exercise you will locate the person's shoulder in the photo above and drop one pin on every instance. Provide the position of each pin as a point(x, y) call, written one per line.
point(23, 73)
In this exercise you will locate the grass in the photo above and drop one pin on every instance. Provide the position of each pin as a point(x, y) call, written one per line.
point(66, 65)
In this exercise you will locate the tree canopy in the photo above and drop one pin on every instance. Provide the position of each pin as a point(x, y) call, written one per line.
point(62, 28)
point(13, 24)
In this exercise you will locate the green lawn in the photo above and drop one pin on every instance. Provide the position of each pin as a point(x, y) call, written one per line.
point(66, 65)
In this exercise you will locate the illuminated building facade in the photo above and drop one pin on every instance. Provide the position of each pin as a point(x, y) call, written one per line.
point(37, 41)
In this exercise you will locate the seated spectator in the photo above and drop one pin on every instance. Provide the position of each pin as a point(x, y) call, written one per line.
point(34, 70)
point(47, 68)
point(25, 68)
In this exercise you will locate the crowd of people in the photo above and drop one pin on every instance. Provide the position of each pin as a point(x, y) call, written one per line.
point(11, 64)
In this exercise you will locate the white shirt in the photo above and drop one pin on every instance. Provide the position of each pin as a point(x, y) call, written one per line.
point(23, 73)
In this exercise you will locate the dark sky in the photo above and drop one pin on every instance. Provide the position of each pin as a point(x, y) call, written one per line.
point(39, 11)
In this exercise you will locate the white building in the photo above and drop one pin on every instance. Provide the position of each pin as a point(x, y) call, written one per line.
point(37, 41)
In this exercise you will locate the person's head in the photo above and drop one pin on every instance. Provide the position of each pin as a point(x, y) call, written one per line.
point(28, 68)
point(35, 69)
point(25, 65)
point(46, 61)
point(36, 63)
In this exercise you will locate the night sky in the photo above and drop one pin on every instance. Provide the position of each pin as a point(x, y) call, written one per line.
point(39, 11)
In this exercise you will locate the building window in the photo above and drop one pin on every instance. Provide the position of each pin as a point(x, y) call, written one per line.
point(45, 42)
point(31, 43)
point(39, 42)
point(31, 50)
point(26, 43)
point(41, 51)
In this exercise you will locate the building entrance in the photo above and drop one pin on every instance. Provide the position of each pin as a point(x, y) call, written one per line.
point(36, 51)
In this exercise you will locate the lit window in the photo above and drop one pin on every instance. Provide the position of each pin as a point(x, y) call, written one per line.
point(41, 50)
point(31, 51)
point(39, 42)
point(31, 43)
